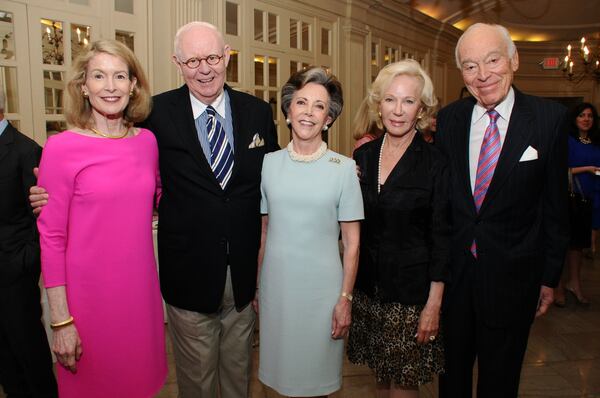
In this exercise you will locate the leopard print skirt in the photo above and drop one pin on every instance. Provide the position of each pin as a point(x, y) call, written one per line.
point(382, 336)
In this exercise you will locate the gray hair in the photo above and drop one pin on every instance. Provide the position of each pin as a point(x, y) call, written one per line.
point(510, 44)
point(189, 26)
point(2, 99)
point(318, 75)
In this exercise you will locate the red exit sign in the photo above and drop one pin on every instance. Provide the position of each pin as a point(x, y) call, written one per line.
point(550, 63)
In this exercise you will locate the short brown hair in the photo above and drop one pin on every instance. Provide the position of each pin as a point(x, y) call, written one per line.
point(77, 108)
point(318, 75)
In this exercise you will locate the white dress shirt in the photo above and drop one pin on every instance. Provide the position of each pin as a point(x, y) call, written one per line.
point(479, 122)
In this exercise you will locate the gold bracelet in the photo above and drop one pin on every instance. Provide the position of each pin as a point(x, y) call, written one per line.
point(63, 323)
point(348, 296)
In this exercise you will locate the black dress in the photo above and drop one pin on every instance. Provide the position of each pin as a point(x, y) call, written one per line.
point(404, 247)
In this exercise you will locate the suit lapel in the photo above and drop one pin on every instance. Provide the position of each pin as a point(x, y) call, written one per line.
point(6, 139)
point(183, 118)
point(515, 142)
point(462, 130)
point(405, 163)
point(239, 141)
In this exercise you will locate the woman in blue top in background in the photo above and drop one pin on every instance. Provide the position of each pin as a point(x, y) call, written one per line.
point(584, 164)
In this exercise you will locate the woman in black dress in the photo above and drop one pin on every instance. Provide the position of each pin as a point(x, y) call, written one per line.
point(404, 237)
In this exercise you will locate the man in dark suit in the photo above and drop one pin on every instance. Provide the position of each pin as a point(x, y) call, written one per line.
point(25, 361)
point(507, 154)
point(209, 227)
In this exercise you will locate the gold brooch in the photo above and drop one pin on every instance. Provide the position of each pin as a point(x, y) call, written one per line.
point(335, 160)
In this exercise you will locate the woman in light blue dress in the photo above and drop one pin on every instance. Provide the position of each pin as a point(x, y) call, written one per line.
point(309, 195)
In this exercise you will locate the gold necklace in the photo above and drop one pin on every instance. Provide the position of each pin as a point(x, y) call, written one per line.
point(101, 134)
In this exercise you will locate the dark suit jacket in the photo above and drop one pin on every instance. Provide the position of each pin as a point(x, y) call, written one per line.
point(202, 228)
point(522, 227)
point(19, 246)
point(405, 233)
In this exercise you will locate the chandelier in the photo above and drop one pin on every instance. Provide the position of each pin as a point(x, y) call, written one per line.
point(581, 62)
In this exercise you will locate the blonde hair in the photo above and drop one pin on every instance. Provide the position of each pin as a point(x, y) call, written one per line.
point(78, 111)
point(367, 117)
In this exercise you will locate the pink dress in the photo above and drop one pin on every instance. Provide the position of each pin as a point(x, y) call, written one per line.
point(96, 240)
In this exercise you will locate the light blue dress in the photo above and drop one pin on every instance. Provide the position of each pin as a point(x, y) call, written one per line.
point(301, 275)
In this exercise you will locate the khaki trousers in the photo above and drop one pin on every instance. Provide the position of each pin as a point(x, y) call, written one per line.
point(213, 349)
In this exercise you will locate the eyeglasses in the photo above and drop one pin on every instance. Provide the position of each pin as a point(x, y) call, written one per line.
point(193, 63)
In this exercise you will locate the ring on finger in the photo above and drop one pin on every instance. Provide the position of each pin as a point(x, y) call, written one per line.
point(431, 338)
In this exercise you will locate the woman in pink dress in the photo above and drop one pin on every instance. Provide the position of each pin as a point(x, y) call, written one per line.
point(96, 236)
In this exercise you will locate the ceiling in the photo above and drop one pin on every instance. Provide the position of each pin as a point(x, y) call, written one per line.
point(527, 20)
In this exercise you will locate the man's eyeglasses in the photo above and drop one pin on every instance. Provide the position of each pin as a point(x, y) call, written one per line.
point(193, 63)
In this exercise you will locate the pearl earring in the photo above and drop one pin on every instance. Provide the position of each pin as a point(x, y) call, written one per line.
point(288, 121)
point(379, 113)
point(325, 128)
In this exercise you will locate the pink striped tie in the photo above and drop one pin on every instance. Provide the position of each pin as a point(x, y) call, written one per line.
point(488, 159)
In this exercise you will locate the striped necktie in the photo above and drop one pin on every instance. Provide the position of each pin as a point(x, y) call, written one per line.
point(488, 159)
point(221, 155)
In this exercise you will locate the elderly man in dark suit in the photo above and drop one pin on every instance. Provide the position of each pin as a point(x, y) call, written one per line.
point(508, 163)
point(211, 141)
point(25, 361)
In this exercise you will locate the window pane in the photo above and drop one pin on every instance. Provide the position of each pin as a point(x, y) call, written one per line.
point(293, 67)
point(273, 100)
point(231, 18)
point(232, 68)
point(53, 92)
point(8, 79)
point(258, 25)
point(125, 38)
point(260, 94)
point(387, 57)
point(304, 66)
point(273, 29)
point(259, 78)
point(374, 51)
point(124, 6)
point(8, 36)
point(55, 127)
point(80, 37)
point(81, 2)
point(305, 36)
point(325, 41)
point(273, 72)
point(52, 42)
point(293, 33)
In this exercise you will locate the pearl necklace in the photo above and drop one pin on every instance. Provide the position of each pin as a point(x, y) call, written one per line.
point(379, 164)
point(297, 157)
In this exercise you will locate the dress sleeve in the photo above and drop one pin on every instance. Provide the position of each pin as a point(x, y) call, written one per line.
point(264, 208)
point(440, 224)
point(350, 206)
point(58, 179)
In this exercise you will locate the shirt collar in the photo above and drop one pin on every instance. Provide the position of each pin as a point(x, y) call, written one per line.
point(503, 108)
point(3, 125)
point(199, 107)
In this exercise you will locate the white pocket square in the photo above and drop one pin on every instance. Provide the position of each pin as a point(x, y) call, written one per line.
point(257, 141)
point(529, 154)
